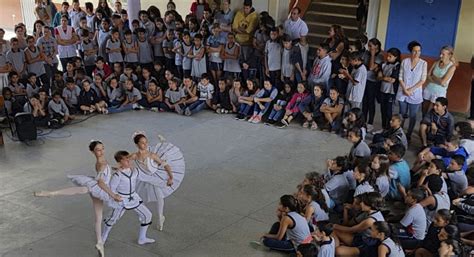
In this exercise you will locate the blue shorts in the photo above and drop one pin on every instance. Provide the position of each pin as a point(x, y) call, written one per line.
point(215, 66)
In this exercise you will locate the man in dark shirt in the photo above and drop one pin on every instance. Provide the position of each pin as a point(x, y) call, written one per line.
point(438, 124)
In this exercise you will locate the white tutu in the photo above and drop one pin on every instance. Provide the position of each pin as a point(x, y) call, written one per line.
point(151, 189)
point(92, 185)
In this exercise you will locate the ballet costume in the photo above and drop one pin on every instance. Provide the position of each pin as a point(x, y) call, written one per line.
point(92, 184)
point(155, 188)
point(123, 183)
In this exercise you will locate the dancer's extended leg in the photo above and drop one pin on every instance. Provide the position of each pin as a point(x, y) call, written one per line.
point(64, 191)
point(98, 210)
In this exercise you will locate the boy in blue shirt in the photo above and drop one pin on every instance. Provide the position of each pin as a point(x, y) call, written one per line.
point(399, 171)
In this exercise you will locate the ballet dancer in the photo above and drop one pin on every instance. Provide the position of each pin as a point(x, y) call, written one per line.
point(123, 182)
point(165, 165)
point(97, 187)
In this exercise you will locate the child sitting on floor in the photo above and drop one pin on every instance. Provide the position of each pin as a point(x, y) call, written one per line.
point(293, 107)
point(311, 107)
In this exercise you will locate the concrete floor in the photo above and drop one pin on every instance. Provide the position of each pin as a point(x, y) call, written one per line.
point(236, 172)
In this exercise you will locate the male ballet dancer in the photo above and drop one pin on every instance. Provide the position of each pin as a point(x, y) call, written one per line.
point(123, 182)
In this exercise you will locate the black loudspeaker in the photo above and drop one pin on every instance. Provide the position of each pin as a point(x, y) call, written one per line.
point(25, 126)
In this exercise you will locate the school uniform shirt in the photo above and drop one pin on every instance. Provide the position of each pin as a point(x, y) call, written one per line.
point(415, 221)
point(38, 67)
point(16, 59)
point(355, 91)
point(337, 187)
point(273, 51)
point(115, 56)
point(444, 123)
point(130, 57)
point(174, 95)
point(299, 233)
point(124, 78)
point(59, 108)
point(187, 62)
point(215, 42)
point(286, 66)
point(114, 94)
point(458, 181)
point(145, 54)
point(333, 103)
point(363, 188)
point(359, 150)
point(168, 44)
point(399, 172)
point(71, 96)
point(224, 18)
point(49, 47)
point(30, 90)
point(231, 65)
point(263, 93)
point(158, 46)
point(75, 17)
point(410, 77)
point(261, 38)
point(319, 214)
point(178, 59)
point(390, 70)
point(371, 75)
point(89, 60)
point(442, 201)
point(205, 91)
point(327, 248)
point(468, 145)
point(394, 250)
point(383, 185)
point(102, 40)
point(16, 88)
point(134, 94)
point(321, 71)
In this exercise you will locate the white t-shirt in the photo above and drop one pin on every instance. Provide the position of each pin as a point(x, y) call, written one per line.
point(295, 29)
point(415, 220)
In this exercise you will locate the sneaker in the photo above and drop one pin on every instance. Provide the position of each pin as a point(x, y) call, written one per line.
point(178, 109)
point(154, 109)
point(305, 124)
point(256, 120)
point(187, 112)
point(241, 117)
point(256, 244)
point(370, 128)
point(218, 111)
point(285, 122)
point(224, 111)
point(282, 125)
point(135, 106)
point(251, 118)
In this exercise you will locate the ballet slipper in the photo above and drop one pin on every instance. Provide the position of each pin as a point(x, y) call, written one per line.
point(161, 223)
point(100, 249)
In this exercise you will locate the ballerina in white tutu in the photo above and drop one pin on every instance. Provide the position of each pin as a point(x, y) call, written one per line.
point(165, 165)
point(97, 187)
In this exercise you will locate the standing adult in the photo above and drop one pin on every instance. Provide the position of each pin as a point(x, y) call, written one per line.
point(104, 8)
point(413, 71)
point(49, 47)
point(225, 17)
point(439, 77)
point(337, 42)
point(244, 25)
point(41, 12)
point(373, 59)
point(5, 67)
point(57, 17)
point(295, 27)
point(66, 38)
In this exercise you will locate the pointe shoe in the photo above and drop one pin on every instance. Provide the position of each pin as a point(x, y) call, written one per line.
point(146, 240)
point(100, 249)
point(161, 223)
point(43, 194)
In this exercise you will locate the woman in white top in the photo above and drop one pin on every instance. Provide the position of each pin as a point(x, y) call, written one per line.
point(97, 187)
point(66, 38)
point(412, 76)
point(439, 77)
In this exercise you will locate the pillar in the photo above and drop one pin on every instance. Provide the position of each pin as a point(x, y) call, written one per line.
point(134, 6)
